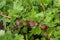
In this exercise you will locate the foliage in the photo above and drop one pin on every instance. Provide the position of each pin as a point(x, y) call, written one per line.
point(38, 12)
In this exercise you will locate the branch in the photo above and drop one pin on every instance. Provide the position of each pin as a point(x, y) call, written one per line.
point(1, 14)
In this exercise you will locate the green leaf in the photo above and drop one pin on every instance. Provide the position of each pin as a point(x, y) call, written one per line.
point(17, 5)
point(57, 3)
point(9, 35)
point(44, 2)
point(19, 37)
point(2, 38)
point(50, 31)
point(54, 39)
point(24, 30)
point(13, 13)
point(43, 38)
point(36, 30)
point(57, 33)
point(2, 3)
point(58, 28)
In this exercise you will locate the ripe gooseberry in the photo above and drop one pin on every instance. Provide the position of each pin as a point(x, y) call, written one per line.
point(32, 24)
point(18, 22)
point(25, 23)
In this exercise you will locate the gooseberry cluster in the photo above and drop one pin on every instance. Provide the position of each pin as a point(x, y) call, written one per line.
point(26, 23)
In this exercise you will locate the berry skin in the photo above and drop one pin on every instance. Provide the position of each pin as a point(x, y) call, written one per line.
point(43, 27)
point(32, 24)
point(18, 22)
point(36, 23)
point(25, 23)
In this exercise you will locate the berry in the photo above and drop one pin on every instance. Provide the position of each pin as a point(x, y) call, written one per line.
point(32, 24)
point(25, 23)
point(43, 27)
point(36, 23)
point(18, 22)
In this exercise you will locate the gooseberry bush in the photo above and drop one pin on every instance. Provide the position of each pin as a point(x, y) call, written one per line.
point(29, 19)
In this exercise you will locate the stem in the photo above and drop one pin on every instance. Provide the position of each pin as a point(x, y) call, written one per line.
point(26, 37)
point(42, 5)
point(4, 15)
point(4, 23)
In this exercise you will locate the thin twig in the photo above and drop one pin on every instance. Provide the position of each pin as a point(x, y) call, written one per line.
point(42, 5)
point(1, 14)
